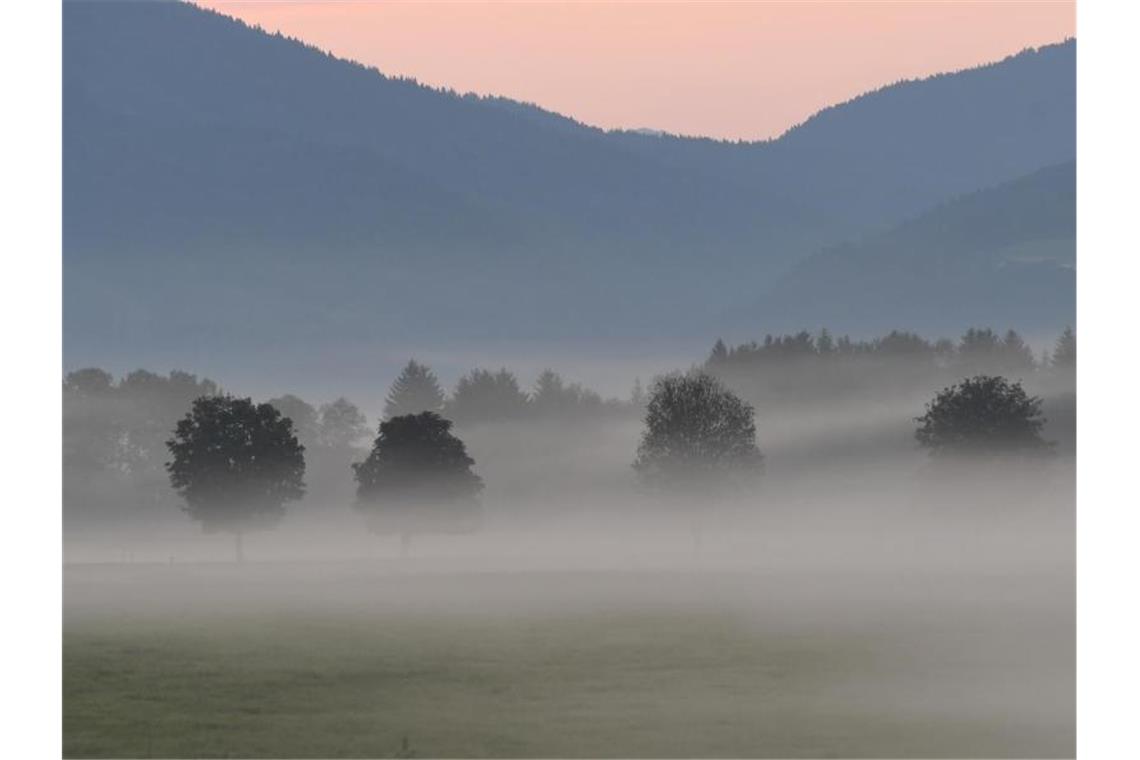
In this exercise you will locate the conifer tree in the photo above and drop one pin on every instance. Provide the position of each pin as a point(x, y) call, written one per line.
point(416, 390)
point(1065, 353)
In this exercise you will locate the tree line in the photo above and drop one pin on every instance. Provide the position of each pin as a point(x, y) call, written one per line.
point(235, 464)
point(483, 395)
point(114, 431)
point(806, 367)
point(976, 346)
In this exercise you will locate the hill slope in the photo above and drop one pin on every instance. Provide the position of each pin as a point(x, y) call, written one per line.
point(1004, 256)
point(226, 189)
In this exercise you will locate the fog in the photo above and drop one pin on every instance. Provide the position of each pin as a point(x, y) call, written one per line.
point(879, 601)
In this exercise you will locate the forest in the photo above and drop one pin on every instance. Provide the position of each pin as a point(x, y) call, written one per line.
point(814, 402)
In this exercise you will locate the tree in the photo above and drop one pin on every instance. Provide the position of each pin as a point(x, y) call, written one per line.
point(235, 464)
point(552, 397)
point(981, 350)
point(698, 434)
point(341, 425)
point(302, 413)
point(417, 477)
point(1017, 356)
point(897, 343)
point(483, 396)
point(93, 439)
point(718, 355)
point(1065, 352)
point(979, 347)
point(415, 390)
point(89, 382)
point(983, 415)
point(825, 344)
point(115, 436)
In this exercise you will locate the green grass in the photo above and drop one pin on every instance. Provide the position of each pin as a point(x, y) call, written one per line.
point(388, 682)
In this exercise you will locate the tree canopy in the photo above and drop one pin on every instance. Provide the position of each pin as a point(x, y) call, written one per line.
point(235, 463)
point(418, 479)
point(482, 395)
point(302, 413)
point(1065, 352)
point(416, 390)
point(697, 432)
point(416, 458)
point(554, 397)
point(342, 425)
point(985, 414)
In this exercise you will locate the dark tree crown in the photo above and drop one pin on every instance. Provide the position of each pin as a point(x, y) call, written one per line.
point(235, 463)
point(1065, 352)
point(416, 458)
point(985, 414)
point(302, 414)
point(482, 395)
point(696, 430)
point(553, 397)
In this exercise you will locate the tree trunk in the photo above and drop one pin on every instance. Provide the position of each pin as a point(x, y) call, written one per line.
point(405, 544)
point(239, 551)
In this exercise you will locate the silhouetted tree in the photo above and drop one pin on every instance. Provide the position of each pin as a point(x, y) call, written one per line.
point(553, 397)
point(697, 433)
point(342, 425)
point(417, 478)
point(981, 350)
point(982, 415)
point(699, 442)
point(235, 464)
point(825, 344)
point(1017, 356)
point(898, 343)
point(415, 390)
point(719, 353)
point(303, 415)
point(89, 382)
point(979, 345)
point(482, 396)
point(93, 431)
point(1065, 352)
point(115, 433)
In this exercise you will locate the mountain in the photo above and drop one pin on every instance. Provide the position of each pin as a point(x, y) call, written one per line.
point(230, 192)
point(1003, 256)
point(894, 152)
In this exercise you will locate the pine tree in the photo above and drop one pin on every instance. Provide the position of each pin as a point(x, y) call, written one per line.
point(824, 344)
point(719, 354)
point(1017, 356)
point(1065, 353)
point(485, 396)
point(415, 390)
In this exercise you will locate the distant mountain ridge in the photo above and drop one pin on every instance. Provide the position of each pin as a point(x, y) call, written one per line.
point(226, 189)
point(1002, 256)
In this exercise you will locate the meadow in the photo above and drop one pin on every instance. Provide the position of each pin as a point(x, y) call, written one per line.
point(786, 656)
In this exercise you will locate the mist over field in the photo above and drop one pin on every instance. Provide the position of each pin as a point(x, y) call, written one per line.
point(401, 422)
point(862, 598)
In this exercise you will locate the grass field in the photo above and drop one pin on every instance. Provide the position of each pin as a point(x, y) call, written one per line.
point(367, 661)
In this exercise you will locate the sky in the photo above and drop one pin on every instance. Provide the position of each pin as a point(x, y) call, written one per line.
point(735, 70)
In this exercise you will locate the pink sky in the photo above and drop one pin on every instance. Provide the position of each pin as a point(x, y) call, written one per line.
point(744, 70)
